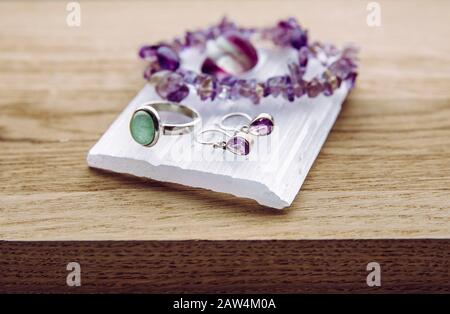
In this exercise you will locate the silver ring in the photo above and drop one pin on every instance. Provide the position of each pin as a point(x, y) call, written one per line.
point(146, 125)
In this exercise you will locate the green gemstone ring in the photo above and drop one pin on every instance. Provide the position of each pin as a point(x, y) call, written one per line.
point(146, 125)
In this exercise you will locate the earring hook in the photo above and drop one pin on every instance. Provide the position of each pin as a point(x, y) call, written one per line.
point(214, 143)
point(234, 114)
point(262, 124)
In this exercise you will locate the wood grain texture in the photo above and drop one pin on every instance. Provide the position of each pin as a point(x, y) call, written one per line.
point(226, 266)
point(384, 171)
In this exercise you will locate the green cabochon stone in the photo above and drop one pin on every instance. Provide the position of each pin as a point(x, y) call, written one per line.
point(142, 127)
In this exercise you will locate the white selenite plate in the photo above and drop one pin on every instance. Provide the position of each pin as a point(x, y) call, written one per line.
point(271, 174)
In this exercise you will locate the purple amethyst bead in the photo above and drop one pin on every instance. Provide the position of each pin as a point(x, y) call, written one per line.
point(287, 33)
point(299, 38)
point(351, 79)
point(178, 45)
point(195, 39)
point(229, 81)
point(327, 88)
point(226, 25)
point(179, 94)
point(314, 88)
point(148, 51)
point(295, 72)
point(288, 90)
point(274, 86)
point(252, 89)
point(151, 69)
point(212, 32)
point(206, 87)
point(289, 24)
point(330, 50)
point(223, 91)
point(238, 145)
point(299, 88)
point(245, 88)
point(172, 87)
point(350, 52)
point(303, 56)
point(257, 92)
point(330, 83)
point(241, 88)
point(167, 58)
point(342, 68)
point(189, 77)
point(235, 90)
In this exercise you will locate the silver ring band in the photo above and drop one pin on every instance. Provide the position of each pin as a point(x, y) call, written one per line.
point(146, 125)
point(176, 128)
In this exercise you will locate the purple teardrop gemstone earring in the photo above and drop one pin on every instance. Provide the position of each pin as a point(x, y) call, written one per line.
point(261, 125)
point(239, 143)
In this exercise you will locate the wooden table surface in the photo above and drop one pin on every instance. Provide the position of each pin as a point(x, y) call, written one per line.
point(384, 171)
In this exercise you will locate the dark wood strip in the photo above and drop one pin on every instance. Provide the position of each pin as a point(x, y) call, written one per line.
point(226, 266)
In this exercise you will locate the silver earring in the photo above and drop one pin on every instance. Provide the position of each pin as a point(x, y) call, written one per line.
point(261, 125)
point(238, 143)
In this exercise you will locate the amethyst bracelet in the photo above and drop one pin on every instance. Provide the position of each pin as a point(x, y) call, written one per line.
point(232, 54)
